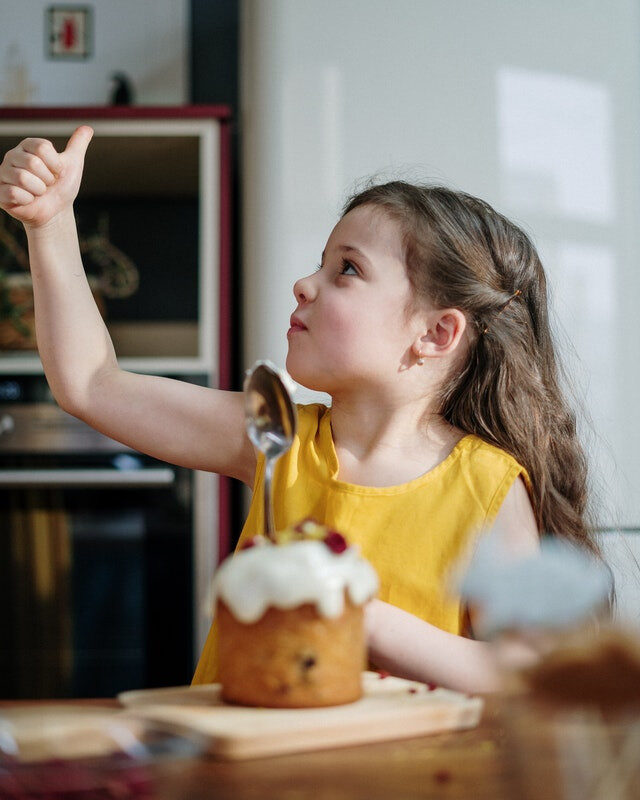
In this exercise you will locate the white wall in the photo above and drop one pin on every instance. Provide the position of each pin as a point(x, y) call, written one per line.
point(622, 553)
point(532, 106)
point(147, 39)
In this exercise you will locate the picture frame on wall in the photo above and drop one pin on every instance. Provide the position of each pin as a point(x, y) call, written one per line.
point(69, 33)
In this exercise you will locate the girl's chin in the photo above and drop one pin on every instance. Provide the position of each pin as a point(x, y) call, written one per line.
point(305, 378)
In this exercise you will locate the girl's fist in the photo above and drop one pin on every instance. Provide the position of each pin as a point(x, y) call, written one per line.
point(37, 183)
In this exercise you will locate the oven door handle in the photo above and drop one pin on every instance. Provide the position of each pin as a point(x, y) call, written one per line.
point(87, 478)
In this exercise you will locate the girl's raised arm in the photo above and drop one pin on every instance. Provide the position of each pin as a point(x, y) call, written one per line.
point(171, 420)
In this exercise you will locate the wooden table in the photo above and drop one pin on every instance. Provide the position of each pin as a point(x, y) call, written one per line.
point(466, 764)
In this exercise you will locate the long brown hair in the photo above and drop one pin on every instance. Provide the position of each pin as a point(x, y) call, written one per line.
point(461, 253)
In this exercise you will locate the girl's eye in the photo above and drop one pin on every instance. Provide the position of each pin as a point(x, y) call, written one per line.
point(346, 266)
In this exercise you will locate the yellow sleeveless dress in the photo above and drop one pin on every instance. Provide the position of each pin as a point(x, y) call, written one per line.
point(412, 533)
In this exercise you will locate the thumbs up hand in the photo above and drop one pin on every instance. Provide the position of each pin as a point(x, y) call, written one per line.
point(37, 183)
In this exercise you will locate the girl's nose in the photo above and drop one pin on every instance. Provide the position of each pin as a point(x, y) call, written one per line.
point(304, 289)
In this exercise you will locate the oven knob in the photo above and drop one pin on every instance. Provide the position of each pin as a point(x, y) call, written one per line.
point(7, 423)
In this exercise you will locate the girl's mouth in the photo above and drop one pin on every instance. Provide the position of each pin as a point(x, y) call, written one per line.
point(296, 326)
point(295, 329)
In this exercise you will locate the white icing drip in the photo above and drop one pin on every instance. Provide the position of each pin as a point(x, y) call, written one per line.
point(289, 575)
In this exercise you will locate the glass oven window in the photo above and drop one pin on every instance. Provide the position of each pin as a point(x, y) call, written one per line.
point(95, 583)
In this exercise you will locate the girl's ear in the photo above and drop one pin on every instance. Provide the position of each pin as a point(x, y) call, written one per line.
point(446, 327)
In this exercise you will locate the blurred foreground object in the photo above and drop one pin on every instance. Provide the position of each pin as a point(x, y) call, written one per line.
point(558, 587)
point(576, 720)
point(573, 679)
point(57, 752)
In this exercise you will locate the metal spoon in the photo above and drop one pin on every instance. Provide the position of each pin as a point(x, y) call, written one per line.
point(271, 420)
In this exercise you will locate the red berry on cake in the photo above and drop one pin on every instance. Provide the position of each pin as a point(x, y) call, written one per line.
point(335, 542)
point(249, 543)
point(252, 542)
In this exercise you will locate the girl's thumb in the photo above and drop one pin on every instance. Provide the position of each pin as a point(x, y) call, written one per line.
point(79, 141)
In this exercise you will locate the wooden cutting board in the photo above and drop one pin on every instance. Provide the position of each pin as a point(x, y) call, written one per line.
point(391, 708)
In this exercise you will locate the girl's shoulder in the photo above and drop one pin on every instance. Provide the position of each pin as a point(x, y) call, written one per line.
point(480, 448)
point(482, 459)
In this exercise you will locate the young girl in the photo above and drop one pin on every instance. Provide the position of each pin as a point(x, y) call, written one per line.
point(426, 322)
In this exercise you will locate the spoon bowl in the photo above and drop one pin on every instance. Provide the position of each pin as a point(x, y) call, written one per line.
point(271, 420)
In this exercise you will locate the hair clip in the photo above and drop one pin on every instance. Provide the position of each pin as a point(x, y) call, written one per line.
point(515, 294)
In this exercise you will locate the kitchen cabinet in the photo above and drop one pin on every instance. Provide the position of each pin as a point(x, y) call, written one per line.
point(154, 208)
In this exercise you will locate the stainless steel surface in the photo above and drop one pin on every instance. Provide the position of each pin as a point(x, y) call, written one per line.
point(46, 428)
point(272, 421)
point(87, 478)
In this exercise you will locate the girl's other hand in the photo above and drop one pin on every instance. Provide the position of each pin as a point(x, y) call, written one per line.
point(37, 183)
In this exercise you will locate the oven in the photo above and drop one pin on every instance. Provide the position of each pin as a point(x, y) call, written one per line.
point(98, 588)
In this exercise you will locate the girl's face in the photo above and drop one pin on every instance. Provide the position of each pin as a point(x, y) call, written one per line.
point(350, 329)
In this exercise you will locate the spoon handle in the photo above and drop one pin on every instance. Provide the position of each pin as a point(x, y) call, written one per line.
point(269, 525)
